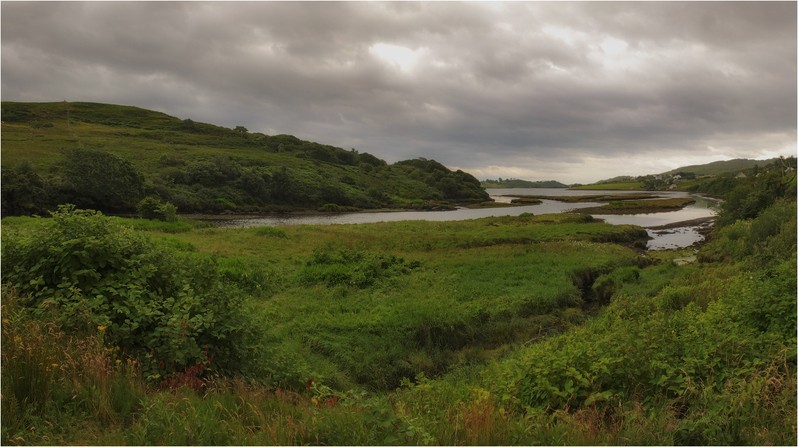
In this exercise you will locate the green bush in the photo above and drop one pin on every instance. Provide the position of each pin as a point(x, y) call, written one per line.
point(92, 274)
point(100, 180)
point(23, 191)
point(773, 233)
point(153, 208)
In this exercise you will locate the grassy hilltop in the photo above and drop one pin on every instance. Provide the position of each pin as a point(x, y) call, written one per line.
point(110, 157)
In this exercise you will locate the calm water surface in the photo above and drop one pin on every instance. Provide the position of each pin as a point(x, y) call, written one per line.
point(673, 238)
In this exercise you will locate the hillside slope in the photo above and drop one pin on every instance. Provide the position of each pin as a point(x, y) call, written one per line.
point(59, 152)
point(689, 178)
point(721, 167)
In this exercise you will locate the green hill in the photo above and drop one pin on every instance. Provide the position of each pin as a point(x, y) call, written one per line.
point(517, 183)
point(687, 176)
point(721, 167)
point(110, 157)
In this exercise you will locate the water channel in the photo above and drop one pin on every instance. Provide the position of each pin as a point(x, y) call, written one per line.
point(662, 238)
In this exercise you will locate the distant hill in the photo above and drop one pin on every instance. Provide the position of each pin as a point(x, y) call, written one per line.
point(721, 167)
point(517, 183)
point(110, 157)
point(661, 181)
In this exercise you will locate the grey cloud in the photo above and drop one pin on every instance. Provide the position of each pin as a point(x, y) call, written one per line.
point(493, 84)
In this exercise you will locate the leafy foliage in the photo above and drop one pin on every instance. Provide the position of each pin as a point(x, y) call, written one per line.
point(92, 274)
point(746, 195)
point(152, 208)
point(23, 191)
point(99, 180)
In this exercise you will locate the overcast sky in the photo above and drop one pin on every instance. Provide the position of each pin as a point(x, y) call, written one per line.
point(575, 92)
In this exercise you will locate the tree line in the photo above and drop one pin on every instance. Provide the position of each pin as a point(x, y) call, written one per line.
point(100, 180)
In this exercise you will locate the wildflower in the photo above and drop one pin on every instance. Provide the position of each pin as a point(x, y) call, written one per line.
point(101, 328)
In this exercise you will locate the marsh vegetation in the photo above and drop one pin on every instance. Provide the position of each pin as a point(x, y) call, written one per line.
point(508, 330)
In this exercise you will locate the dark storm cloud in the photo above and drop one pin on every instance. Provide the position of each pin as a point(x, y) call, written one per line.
point(499, 89)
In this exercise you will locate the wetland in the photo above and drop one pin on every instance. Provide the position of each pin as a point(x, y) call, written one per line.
point(680, 211)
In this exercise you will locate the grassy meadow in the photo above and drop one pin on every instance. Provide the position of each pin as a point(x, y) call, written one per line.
point(526, 330)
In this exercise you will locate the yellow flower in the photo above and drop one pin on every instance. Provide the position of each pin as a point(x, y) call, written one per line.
point(101, 328)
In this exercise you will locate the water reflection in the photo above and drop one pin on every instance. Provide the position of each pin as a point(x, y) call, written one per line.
point(547, 207)
point(678, 237)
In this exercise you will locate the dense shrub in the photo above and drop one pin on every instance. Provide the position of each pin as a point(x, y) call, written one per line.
point(23, 191)
point(92, 274)
point(747, 196)
point(101, 181)
point(153, 208)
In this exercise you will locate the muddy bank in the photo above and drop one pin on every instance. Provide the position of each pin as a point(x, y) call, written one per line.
point(674, 235)
point(589, 198)
point(702, 221)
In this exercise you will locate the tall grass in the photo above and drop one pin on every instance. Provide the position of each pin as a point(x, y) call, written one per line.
point(56, 384)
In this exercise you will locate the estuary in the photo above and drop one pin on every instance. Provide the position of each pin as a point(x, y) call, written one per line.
point(664, 228)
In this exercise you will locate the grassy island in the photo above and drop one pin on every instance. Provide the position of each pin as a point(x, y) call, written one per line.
point(638, 206)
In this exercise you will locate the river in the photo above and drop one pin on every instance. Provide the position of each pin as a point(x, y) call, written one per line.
point(661, 238)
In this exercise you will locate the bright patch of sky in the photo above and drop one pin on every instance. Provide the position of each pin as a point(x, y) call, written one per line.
point(397, 56)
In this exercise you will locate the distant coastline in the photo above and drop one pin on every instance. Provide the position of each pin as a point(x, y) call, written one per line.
point(518, 183)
